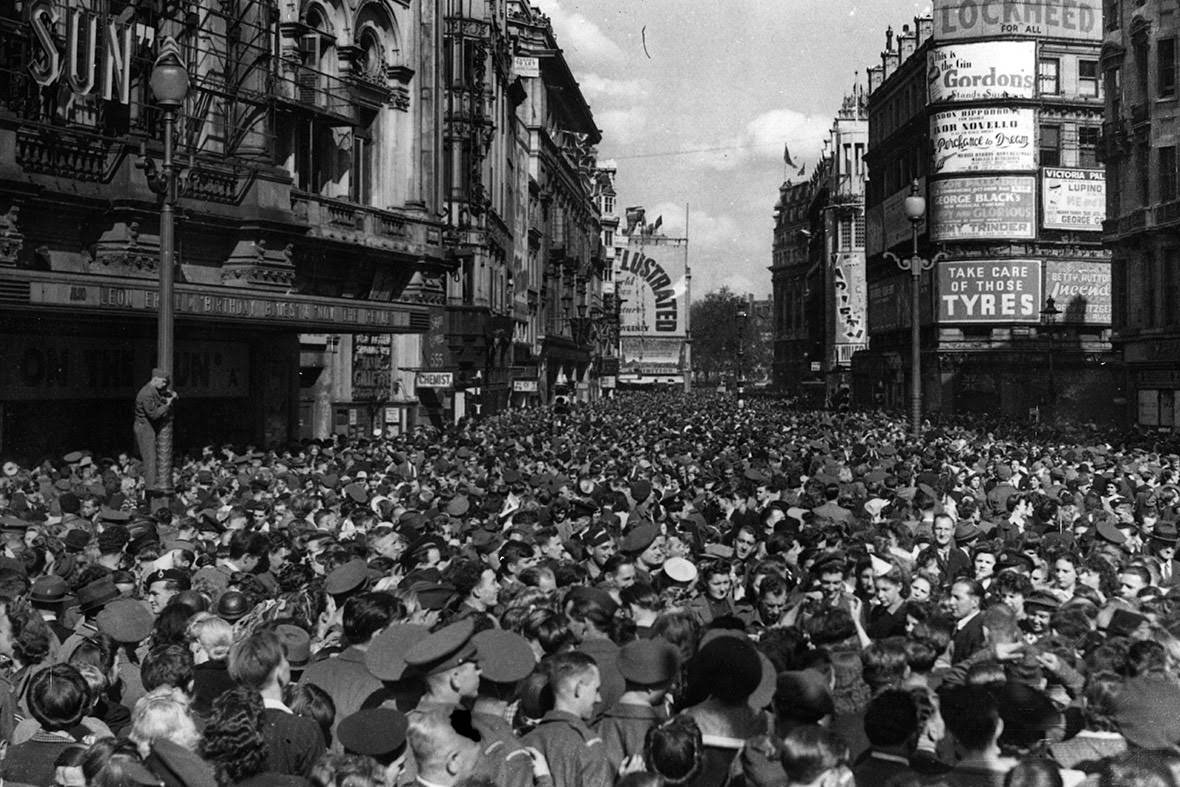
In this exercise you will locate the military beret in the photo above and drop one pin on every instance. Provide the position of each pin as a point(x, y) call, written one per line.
point(181, 578)
point(648, 661)
point(296, 644)
point(639, 539)
point(345, 578)
point(444, 649)
point(504, 657)
point(373, 732)
point(126, 620)
point(433, 595)
point(386, 656)
point(596, 536)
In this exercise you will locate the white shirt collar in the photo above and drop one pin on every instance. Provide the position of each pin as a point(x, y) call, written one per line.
point(962, 623)
point(276, 705)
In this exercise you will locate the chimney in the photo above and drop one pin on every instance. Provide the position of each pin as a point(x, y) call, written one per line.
point(889, 62)
point(924, 25)
point(907, 42)
point(875, 78)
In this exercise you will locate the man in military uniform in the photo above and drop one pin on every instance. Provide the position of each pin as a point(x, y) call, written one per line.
point(153, 410)
point(575, 754)
point(648, 667)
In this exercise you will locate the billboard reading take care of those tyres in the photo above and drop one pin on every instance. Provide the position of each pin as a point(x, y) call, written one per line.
point(989, 291)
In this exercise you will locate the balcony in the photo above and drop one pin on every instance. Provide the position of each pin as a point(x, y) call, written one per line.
point(359, 224)
point(323, 94)
point(1133, 221)
point(1167, 213)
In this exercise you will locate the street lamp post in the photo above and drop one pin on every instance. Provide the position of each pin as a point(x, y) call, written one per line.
point(740, 382)
point(915, 211)
point(169, 83)
point(1049, 316)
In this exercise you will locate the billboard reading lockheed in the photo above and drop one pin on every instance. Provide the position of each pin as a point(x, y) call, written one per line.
point(983, 139)
point(1007, 291)
point(970, 72)
point(1075, 19)
point(1074, 199)
point(1000, 207)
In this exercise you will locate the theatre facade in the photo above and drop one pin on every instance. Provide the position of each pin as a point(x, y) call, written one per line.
point(308, 205)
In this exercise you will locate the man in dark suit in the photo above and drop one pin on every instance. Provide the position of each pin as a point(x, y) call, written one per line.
point(1163, 546)
point(966, 598)
point(952, 561)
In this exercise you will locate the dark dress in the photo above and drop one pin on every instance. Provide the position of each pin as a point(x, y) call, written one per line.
point(883, 623)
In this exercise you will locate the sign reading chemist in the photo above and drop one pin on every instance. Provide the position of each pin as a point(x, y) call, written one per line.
point(1007, 291)
point(1071, 19)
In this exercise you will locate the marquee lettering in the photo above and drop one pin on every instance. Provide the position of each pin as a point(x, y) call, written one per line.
point(82, 53)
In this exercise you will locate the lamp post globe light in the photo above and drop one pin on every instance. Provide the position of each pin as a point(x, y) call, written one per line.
point(740, 382)
point(915, 211)
point(170, 85)
point(1049, 315)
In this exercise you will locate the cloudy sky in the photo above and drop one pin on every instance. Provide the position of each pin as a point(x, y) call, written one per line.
point(701, 117)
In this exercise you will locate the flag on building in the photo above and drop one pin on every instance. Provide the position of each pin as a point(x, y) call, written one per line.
point(787, 156)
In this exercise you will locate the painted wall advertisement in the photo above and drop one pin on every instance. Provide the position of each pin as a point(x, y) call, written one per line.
point(1081, 290)
point(1000, 207)
point(372, 366)
point(983, 138)
point(847, 286)
point(998, 291)
point(80, 367)
point(1073, 19)
point(1073, 199)
point(970, 72)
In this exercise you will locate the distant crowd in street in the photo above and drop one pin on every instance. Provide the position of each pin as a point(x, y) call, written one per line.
point(653, 589)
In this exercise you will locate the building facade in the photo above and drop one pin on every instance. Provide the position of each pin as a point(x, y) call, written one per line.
point(997, 120)
point(1139, 149)
point(819, 294)
point(309, 197)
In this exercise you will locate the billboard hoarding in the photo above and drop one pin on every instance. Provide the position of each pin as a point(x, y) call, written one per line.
point(651, 281)
point(1081, 290)
point(1073, 199)
point(1000, 207)
point(994, 291)
point(971, 72)
point(980, 139)
point(1061, 19)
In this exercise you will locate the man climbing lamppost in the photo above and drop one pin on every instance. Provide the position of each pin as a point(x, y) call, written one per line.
point(153, 412)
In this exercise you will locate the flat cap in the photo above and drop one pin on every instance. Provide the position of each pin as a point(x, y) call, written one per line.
point(1042, 599)
point(648, 661)
point(93, 595)
point(346, 578)
point(126, 620)
point(640, 538)
point(504, 657)
point(374, 732)
point(386, 656)
point(444, 649)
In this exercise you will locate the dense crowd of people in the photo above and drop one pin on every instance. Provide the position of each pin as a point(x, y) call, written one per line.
point(650, 590)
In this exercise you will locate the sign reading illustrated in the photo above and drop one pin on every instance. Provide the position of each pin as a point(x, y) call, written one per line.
point(984, 138)
point(1074, 199)
point(1077, 19)
point(969, 72)
point(1000, 291)
point(999, 207)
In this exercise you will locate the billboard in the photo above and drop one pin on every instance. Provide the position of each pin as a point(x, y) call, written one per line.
point(1073, 199)
point(993, 69)
point(983, 138)
point(1081, 290)
point(651, 281)
point(886, 224)
point(1072, 19)
point(650, 278)
point(1000, 207)
point(993, 291)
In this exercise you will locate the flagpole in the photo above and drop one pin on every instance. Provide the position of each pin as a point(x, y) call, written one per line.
point(687, 310)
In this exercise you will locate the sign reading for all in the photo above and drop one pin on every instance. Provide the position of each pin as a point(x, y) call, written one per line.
point(1001, 291)
point(1076, 19)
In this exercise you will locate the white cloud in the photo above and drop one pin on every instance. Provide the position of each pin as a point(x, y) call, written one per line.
point(595, 85)
point(705, 229)
point(803, 134)
point(621, 126)
point(575, 33)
